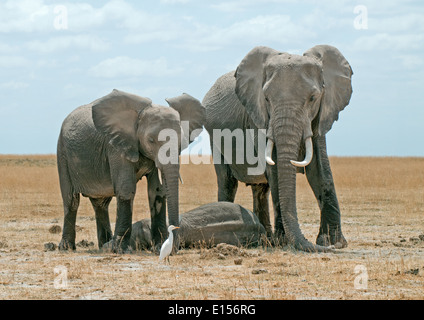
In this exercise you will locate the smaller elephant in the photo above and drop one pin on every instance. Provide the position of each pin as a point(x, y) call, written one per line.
point(210, 224)
point(106, 146)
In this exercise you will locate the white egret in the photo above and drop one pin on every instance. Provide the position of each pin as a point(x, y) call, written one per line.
point(166, 249)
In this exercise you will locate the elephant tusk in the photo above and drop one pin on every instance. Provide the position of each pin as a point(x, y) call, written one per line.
point(160, 176)
point(308, 156)
point(181, 179)
point(268, 152)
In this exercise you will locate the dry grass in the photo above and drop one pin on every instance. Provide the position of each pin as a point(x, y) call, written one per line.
point(382, 203)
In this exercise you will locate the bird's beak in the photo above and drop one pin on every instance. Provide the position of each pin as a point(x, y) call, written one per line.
point(177, 227)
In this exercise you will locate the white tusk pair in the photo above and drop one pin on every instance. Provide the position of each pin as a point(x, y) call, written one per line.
point(302, 164)
point(160, 177)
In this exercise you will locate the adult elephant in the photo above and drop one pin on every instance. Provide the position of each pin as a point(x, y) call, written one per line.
point(208, 225)
point(295, 99)
point(105, 147)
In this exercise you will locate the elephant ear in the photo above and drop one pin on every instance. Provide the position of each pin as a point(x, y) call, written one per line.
point(116, 115)
point(191, 110)
point(250, 77)
point(337, 75)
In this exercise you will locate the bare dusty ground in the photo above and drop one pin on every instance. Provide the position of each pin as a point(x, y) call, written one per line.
point(382, 202)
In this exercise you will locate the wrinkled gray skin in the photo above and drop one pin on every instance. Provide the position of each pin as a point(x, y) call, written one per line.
point(294, 98)
point(105, 147)
point(210, 224)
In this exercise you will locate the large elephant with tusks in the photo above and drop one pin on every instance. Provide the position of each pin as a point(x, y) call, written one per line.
point(295, 100)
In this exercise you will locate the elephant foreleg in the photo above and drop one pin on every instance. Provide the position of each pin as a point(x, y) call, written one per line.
point(124, 184)
point(320, 179)
point(271, 173)
point(121, 239)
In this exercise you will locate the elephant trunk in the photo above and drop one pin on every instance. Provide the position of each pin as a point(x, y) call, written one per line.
point(171, 174)
point(288, 134)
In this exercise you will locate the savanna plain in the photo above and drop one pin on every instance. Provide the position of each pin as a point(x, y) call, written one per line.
point(382, 205)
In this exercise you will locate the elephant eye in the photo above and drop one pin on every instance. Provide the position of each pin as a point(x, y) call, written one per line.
point(312, 98)
point(151, 140)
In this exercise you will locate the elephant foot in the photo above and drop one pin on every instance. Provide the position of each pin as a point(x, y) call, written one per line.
point(278, 239)
point(66, 245)
point(269, 235)
point(156, 248)
point(117, 245)
point(176, 244)
point(336, 240)
point(103, 240)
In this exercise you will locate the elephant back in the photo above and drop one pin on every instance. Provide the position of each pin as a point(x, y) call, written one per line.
point(223, 108)
point(78, 124)
point(220, 222)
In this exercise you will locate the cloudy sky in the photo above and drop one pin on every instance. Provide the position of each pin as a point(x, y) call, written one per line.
point(56, 56)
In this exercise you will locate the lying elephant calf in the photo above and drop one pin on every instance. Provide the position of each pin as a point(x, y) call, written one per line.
point(210, 224)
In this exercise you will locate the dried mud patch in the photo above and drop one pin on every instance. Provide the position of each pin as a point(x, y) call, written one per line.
point(223, 251)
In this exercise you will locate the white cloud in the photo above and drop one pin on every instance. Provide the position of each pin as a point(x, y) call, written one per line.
point(115, 13)
point(243, 5)
point(145, 27)
point(14, 85)
point(256, 31)
point(174, 1)
point(53, 44)
point(410, 61)
point(397, 23)
point(13, 62)
point(84, 16)
point(392, 42)
point(36, 16)
point(278, 28)
point(25, 16)
point(230, 6)
point(200, 37)
point(5, 48)
point(153, 36)
point(128, 67)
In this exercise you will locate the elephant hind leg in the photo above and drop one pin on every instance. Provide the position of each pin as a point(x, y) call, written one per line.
point(70, 204)
point(104, 231)
point(71, 200)
point(227, 184)
point(260, 205)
